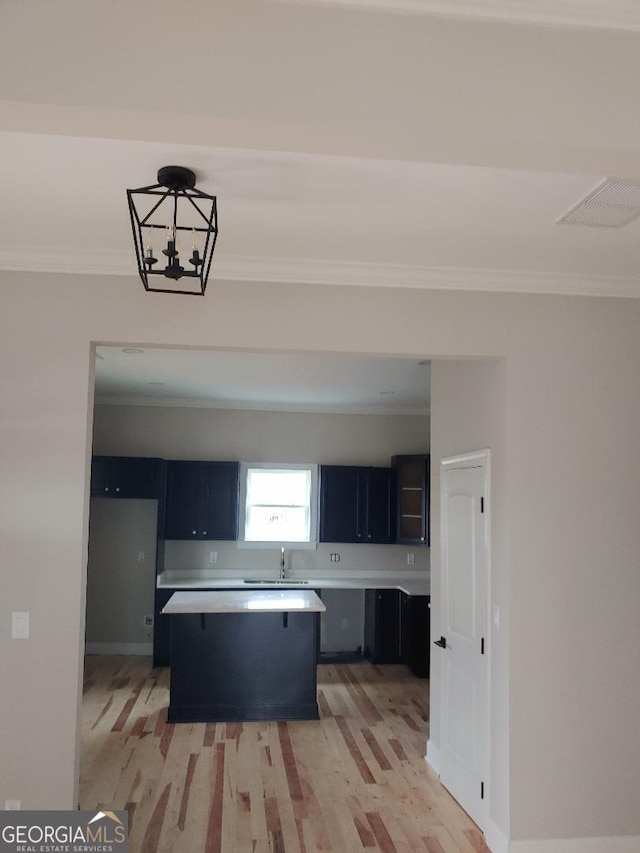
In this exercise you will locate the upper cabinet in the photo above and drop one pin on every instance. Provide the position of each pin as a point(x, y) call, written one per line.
point(412, 499)
point(202, 500)
point(126, 477)
point(356, 504)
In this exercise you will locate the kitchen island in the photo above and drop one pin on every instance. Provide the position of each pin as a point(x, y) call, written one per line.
point(241, 655)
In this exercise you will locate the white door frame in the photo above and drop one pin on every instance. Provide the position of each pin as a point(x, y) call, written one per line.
point(478, 459)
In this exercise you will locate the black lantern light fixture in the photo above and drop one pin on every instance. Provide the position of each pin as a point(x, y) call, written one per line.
point(175, 227)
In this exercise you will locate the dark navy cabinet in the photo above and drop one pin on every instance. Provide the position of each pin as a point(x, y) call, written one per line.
point(382, 626)
point(412, 499)
point(356, 504)
point(126, 477)
point(397, 629)
point(161, 628)
point(202, 500)
point(415, 627)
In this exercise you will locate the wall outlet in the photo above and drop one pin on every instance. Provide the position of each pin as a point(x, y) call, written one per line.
point(344, 624)
point(12, 805)
point(148, 621)
point(20, 626)
point(335, 558)
point(141, 556)
point(213, 556)
point(411, 559)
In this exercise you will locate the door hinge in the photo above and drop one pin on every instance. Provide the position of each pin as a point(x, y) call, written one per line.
point(482, 646)
point(481, 504)
point(482, 790)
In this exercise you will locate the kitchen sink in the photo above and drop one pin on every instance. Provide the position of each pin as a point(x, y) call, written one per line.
point(277, 581)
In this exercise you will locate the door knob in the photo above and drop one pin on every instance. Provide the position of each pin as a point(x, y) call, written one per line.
point(442, 642)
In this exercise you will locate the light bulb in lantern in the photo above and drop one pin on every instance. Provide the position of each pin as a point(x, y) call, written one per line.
point(171, 250)
point(195, 258)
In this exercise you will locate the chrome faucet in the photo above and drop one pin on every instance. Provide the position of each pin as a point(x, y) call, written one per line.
point(282, 569)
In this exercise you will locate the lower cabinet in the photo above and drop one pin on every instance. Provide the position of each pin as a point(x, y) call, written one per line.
point(382, 626)
point(161, 628)
point(416, 629)
point(396, 629)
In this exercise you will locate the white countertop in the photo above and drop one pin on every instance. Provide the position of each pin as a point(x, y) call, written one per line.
point(411, 584)
point(239, 601)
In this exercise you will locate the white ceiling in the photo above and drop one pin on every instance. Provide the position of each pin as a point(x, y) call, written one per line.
point(607, 14)
point(397, 144)
point(307, 217)
point(272, 381)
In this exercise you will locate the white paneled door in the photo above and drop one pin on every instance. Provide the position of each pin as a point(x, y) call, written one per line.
point(464, 618)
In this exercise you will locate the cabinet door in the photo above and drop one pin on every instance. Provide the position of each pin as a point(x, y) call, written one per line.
point(202, 500)
point(186, 501)
point(412, 497)
point(221, 519)
point(378, 484)
point(340, 504)
point(125, 477)
point(383, 625)
point(161, 629)
point(101, 476)
point(418, 635)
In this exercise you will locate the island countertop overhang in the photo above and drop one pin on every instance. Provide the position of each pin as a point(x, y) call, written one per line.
point(244, 601)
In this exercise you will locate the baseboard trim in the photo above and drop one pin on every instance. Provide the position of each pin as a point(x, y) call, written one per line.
point(612, 844)
point(119, 649)
point(433, 756)
point(495, 839)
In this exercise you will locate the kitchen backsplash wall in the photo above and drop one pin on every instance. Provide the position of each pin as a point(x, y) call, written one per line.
point(192, 556)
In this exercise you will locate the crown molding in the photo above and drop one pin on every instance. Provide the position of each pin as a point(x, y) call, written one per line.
point(599, 14)
point(346, 274)
point(242, 406)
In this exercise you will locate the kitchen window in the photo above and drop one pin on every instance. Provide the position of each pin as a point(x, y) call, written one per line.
point(279, 503)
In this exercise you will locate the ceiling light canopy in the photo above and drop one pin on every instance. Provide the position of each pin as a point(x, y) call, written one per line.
point(175, 227)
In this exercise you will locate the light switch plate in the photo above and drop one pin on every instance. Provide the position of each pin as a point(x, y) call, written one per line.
point(20, 626)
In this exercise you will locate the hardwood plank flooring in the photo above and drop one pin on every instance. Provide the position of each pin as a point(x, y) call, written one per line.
point(356, 780)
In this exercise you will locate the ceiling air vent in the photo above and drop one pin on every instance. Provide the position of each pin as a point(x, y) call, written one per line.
point(612, 204)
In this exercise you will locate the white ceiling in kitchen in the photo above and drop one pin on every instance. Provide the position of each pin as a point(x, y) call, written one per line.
point(271, 381)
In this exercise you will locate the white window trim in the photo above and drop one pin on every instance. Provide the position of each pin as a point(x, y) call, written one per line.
point(312, 544)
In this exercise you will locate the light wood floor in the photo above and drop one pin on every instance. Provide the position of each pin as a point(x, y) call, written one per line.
point(356, 780)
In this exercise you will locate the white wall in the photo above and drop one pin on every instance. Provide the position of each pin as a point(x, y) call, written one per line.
point(120, 585)
point(573, 483)
point(257, 436)
point(470, 414)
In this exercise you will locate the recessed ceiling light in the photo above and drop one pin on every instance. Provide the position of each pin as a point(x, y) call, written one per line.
point(132, 350)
